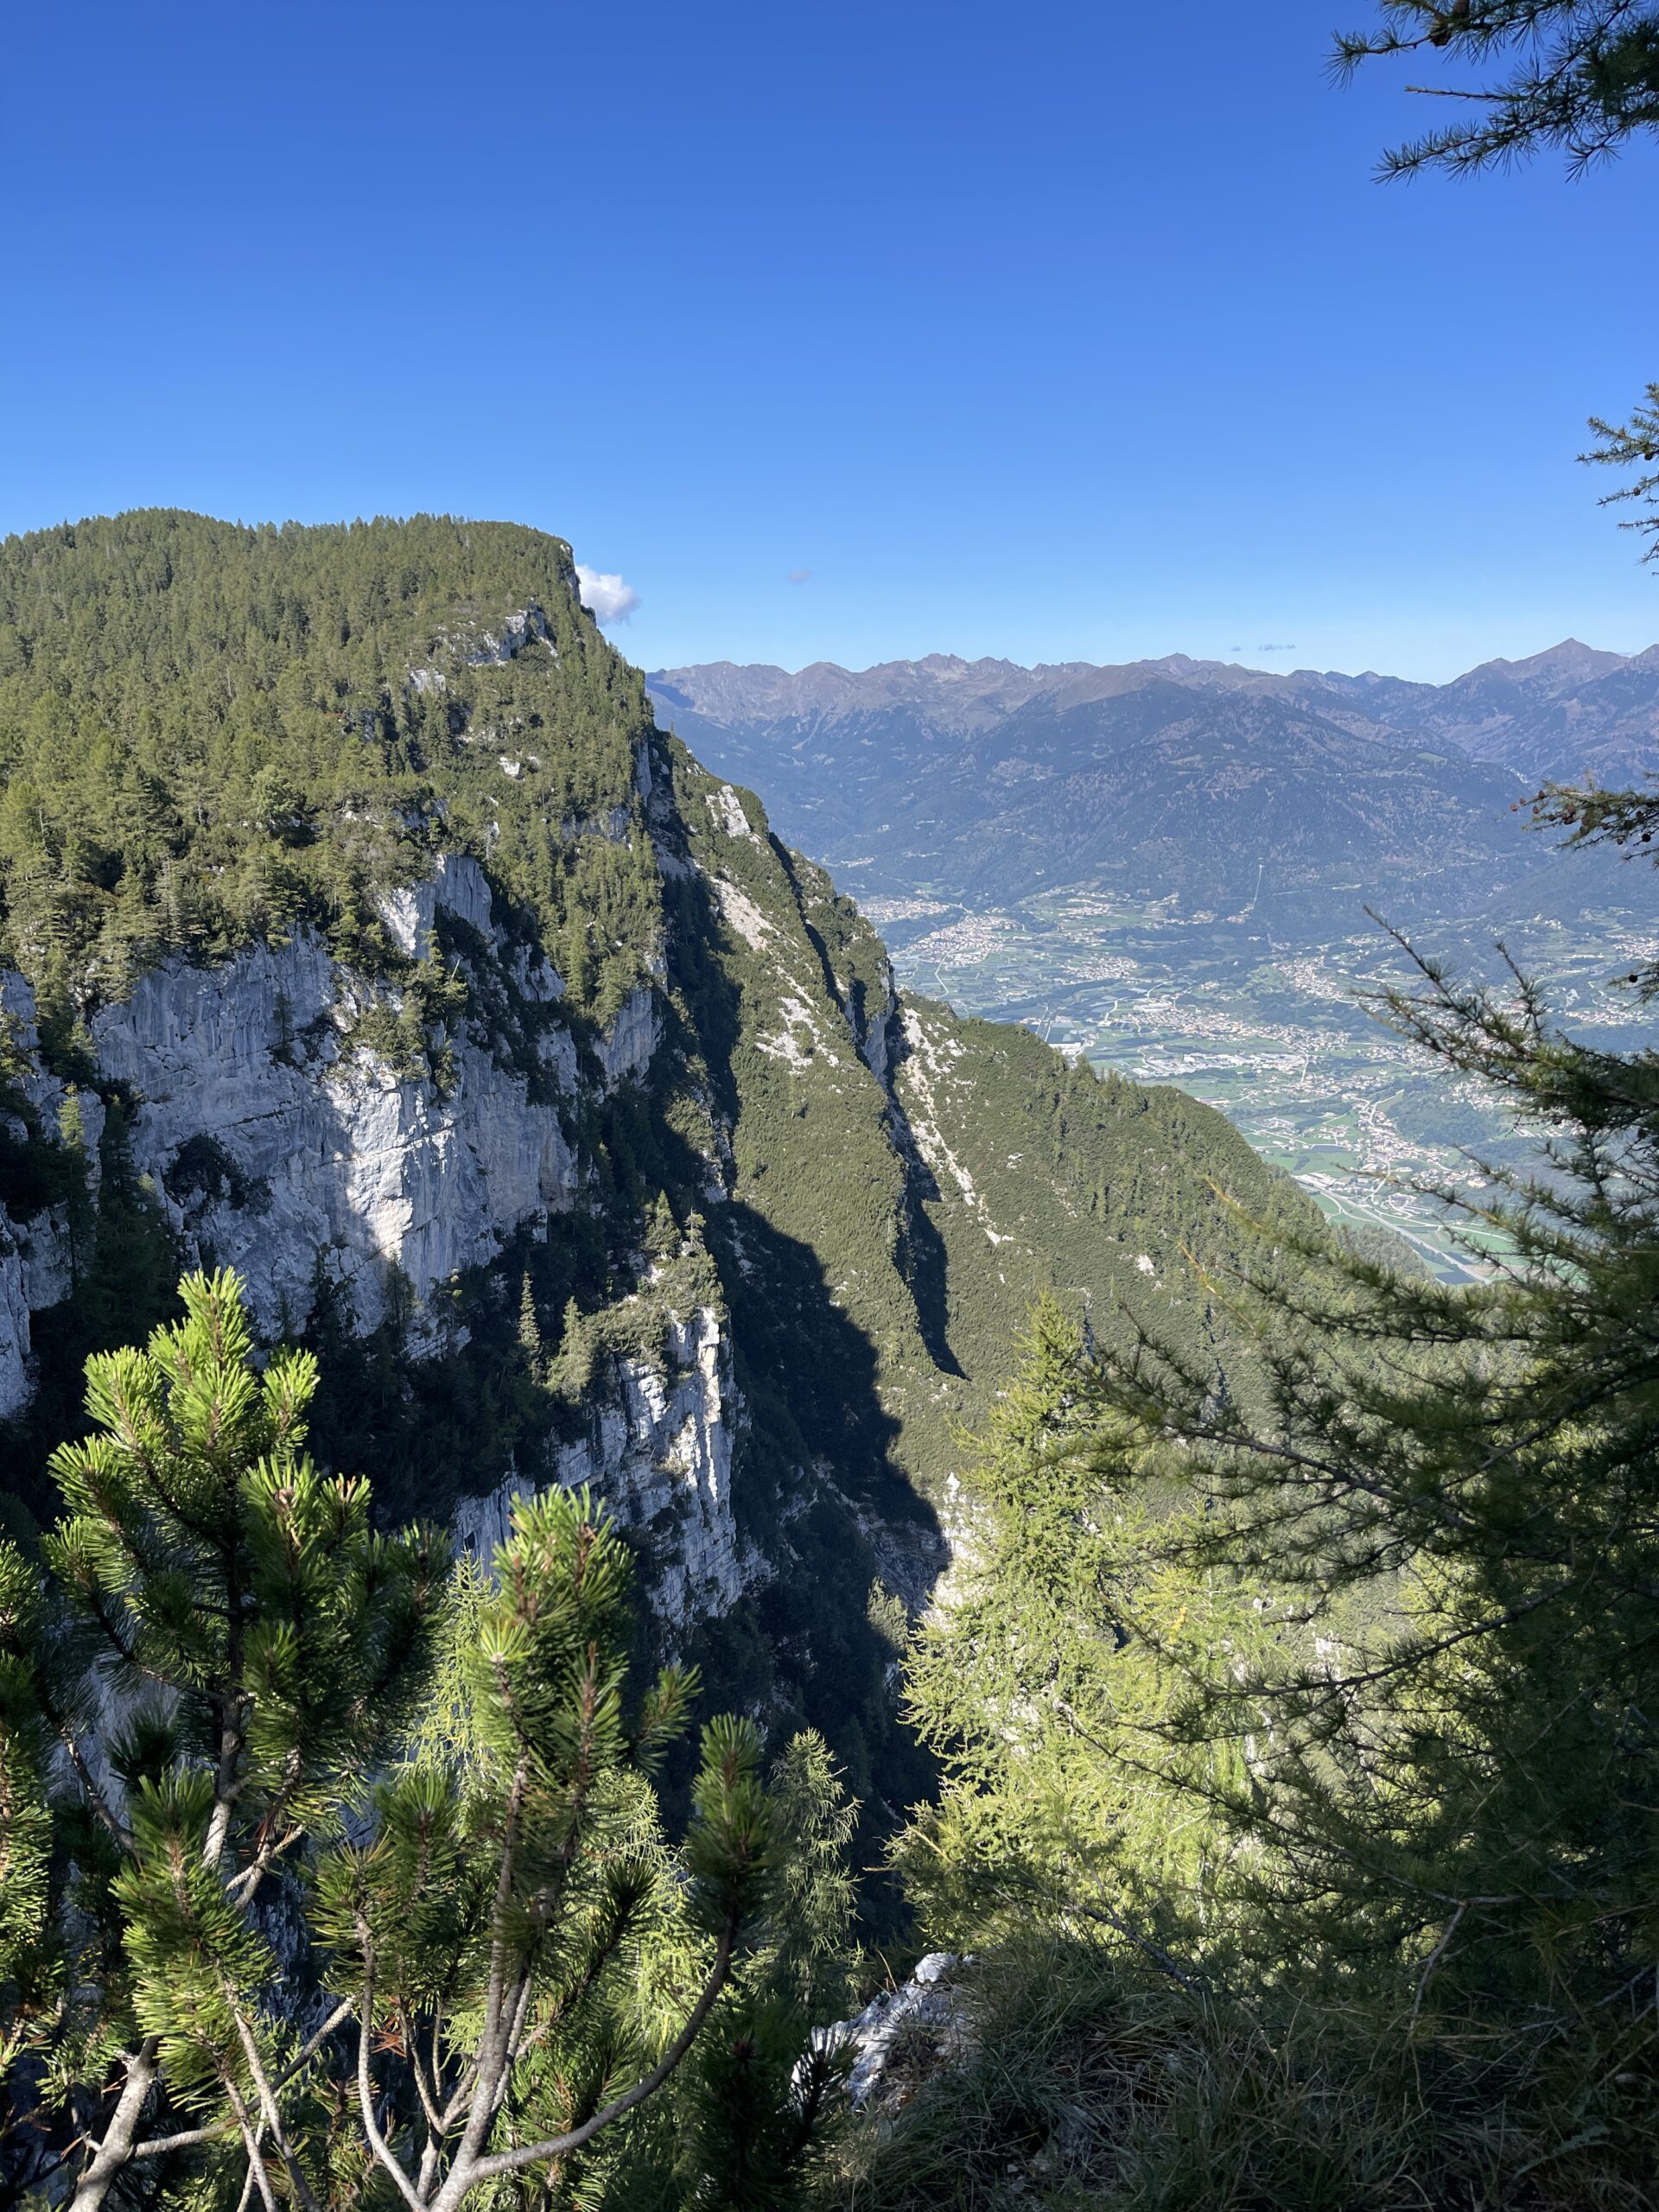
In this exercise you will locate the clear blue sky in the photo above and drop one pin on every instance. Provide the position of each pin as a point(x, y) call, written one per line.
point(1076, 331)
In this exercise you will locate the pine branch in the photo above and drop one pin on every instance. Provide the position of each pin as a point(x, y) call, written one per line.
point(1160, 1958)
point(268, 2105)
point(560, 2146)
point(192, 2138)
point(377, 2144)
point(62, 1726)
point(115, 2148)
point(249, 2136)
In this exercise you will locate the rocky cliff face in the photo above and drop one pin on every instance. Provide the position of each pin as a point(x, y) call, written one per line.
point(36, 1268)
point(280, 1144)
point(658, 1451)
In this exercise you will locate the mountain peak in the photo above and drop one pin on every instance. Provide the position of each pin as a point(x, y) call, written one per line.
point(1572, 659)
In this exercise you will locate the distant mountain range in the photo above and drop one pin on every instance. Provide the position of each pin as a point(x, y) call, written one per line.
point(1226, 790)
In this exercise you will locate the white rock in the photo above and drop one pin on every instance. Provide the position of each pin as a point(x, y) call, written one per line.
point(742, 916)
point(338, 1156)
point(926, 2004)
point(660, 1453)
point(515, 632)
point(727, 809)
point(457, 884)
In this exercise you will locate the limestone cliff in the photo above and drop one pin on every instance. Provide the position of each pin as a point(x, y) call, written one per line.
point(282, 1145)
point(280, 1141)
point(658, 1449)
point(392, 955)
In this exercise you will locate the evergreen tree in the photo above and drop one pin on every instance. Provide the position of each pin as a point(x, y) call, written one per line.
point(1346, 1687)
point(1331, 1699)
point(230, 1628)
point(352, 1882)
point(530, 1328)
point(1582, 75)
point(489, 1925)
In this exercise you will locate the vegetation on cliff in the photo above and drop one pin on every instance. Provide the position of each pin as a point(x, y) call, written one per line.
point(869, 1194)
point(327, 1866)
point(212, 734)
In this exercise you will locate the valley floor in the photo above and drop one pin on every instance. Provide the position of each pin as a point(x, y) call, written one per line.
point(1277, 1036)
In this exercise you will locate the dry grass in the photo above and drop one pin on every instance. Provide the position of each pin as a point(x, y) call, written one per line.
point(1081, 2093)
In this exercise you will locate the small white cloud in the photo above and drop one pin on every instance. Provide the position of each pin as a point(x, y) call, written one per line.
point(607, 599)
point(799, 576)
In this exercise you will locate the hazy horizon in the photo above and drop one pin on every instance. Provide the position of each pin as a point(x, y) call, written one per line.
point(822, 332)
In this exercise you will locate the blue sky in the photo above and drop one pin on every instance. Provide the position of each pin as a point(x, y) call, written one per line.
point(1067, 332)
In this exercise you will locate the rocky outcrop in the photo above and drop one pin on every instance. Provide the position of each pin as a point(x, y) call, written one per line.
point(458, 887)
point(487, 649)
point(903, 2034)
point(658, 1451)
point(878, 1034)
point(632, 1038)
point(35, 1269)
point(15, 1336)
point(277, 1141)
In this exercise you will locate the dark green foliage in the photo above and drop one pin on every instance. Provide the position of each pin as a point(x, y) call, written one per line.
point(254, 1644)
point(211, 734)
point(298, 1798)
point(40, 1168)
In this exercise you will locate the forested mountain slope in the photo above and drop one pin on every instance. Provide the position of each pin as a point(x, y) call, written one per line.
point(1297, 798)
point(361, 930)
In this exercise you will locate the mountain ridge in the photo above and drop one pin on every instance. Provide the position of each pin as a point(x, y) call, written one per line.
point(1210, 782)
point(360, 929)
point(713, 688)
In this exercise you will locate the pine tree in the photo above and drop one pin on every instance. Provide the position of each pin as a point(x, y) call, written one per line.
point(490, 1927)
point(252, 1638)
point(274, 1718)
point(734, 2132)
point(530, 1328)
